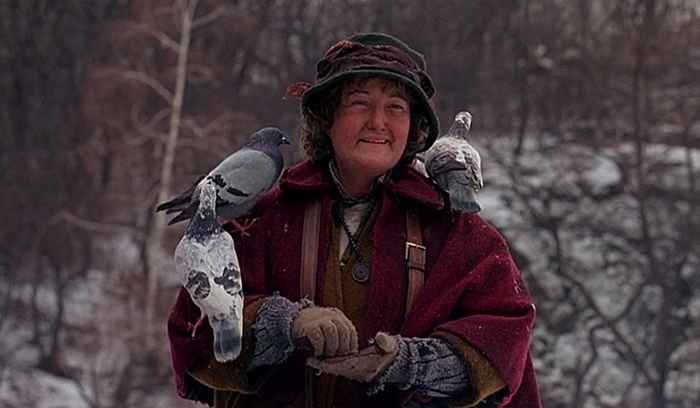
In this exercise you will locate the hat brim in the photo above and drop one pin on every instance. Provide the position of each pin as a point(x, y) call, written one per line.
point(422, 101)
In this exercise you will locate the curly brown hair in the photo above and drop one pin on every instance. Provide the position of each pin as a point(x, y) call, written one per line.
point(318, 119)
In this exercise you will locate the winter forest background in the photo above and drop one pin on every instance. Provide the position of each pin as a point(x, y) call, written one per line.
point(587, 114)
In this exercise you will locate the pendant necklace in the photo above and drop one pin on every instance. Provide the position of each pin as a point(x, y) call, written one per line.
point(360, 271)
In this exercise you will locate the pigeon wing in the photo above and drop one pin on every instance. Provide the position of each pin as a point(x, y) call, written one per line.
point(244, 178)
point(473, 165)
point(240, 179)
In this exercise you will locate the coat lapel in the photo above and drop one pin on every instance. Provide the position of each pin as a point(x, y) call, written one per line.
point(387, 291)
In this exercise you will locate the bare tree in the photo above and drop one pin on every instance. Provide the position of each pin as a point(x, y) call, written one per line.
point(154, 238)
point(595, 180)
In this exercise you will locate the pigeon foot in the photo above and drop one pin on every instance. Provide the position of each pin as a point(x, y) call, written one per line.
point(196, 325)
point(243, 228)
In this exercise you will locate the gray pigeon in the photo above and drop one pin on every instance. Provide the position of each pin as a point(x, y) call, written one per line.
point(456, 166)
point(240, 179)
point(207, 264)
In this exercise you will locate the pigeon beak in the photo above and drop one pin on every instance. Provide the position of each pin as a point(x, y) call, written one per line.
point(463, 122)
point(285, 140)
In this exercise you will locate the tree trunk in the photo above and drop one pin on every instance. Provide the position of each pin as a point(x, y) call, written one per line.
point(155, 235)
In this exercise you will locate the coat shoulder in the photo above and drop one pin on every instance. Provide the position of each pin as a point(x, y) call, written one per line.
point(477, 228)
point(475, 239)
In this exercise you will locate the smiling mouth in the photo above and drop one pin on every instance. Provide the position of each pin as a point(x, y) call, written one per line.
point(375, 141)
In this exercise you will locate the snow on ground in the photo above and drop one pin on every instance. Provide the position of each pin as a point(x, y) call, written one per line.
point(88, 302)
point(36, 389)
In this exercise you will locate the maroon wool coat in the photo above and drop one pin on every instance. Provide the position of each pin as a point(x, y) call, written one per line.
point(472, 289)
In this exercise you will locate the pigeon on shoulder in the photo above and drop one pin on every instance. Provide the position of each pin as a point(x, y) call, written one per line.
point(208, 268)
point(455, 165)
point(240, 179)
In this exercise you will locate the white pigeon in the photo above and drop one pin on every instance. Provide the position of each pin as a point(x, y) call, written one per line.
point(207, 264)
point(456, 166)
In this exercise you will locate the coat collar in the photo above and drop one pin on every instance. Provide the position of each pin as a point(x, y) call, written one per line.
point(404, 182)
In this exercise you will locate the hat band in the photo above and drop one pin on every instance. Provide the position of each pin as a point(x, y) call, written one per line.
point(347, 56)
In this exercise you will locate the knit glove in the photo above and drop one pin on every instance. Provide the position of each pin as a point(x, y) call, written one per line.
point(427, 365)
point(281, 326)
point(273, 331)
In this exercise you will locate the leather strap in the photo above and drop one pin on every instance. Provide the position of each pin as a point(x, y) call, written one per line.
point(309, 381)
point(415, 258)
point(309, 250)
point(307, 278)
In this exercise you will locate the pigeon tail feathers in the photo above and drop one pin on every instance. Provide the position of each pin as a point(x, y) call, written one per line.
point(471, 207)
point(185, 215)
point(464, 200)
point(227, 339)
point(181, 201)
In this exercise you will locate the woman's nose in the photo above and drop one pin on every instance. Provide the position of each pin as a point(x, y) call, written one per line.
point(377, 118)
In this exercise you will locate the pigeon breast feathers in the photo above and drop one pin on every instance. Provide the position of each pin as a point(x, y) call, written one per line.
point(208, 267)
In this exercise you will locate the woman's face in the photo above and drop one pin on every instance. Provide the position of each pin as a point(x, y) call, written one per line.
point(370, 128)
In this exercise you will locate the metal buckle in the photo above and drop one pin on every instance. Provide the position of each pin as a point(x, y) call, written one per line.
point(414, 245)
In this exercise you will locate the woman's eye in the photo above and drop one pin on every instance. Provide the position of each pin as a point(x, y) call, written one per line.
point(398, 108)
point(359, 102)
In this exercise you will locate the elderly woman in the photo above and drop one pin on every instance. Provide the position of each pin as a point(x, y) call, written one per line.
point(363, 287)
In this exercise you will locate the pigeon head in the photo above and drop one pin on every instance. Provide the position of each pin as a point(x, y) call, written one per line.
point(269, 136)
point(461, 125)
point(464, 118)
point(204, 222)
point(268, 140)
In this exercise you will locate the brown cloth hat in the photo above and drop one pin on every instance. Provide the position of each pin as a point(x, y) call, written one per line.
point(376, 54)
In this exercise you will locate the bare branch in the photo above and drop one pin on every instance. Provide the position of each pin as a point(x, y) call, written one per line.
point(147, 130)
point(202, 132)
point(221, 11)
point(151, 82)
point(200, 73)
point(629, 349)
point(162, 37)
point(96, 226)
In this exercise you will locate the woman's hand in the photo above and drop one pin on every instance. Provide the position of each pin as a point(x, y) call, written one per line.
point(328, 331)
point(365, 365)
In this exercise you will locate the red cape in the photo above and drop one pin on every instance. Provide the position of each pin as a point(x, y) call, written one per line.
point(472, 290)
